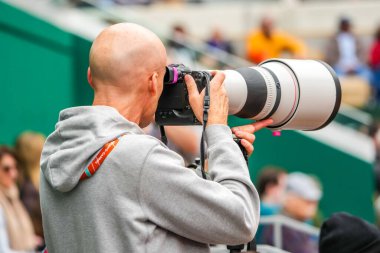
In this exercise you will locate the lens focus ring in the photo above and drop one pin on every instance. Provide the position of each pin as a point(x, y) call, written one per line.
point(271, 93)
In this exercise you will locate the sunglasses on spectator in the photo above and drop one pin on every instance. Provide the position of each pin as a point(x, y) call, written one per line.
point(7, 168)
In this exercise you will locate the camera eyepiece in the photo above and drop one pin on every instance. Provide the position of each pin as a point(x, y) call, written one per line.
point(171, 75)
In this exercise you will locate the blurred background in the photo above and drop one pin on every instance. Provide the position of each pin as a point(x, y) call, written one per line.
point(44, 47)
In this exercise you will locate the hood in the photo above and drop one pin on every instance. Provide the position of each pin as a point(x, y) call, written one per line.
point(79, 134)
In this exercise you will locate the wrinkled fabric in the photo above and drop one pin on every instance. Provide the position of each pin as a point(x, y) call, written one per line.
point(142, 198)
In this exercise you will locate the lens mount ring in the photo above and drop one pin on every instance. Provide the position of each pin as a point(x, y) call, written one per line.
point(297, 92)
point(278, 92)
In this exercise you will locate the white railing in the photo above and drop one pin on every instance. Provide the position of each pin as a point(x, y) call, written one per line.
point(355, 114)
point(279, 221)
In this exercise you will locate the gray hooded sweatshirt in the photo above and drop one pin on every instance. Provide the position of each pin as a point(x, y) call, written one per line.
point(142, 198)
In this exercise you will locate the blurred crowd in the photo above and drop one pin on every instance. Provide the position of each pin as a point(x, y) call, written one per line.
point(20, 212)
point(296, 196)
point(354, 61)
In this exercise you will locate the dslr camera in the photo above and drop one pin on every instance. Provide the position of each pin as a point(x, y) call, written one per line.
point(173, 106)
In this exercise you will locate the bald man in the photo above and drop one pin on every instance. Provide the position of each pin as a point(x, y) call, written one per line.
point(108, 187)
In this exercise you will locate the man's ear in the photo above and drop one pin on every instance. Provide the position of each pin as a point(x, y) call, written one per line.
point(153, 83)
point(89, 77)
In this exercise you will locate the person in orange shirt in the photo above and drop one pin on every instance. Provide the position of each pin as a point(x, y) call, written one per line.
point(266, 43)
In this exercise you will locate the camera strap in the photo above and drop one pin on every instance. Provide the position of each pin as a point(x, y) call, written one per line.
point(164, 139)
point(99, 158)
point(206, 107)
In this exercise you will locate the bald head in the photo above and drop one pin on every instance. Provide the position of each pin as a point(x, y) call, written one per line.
point(127, 68)
point(124, 53)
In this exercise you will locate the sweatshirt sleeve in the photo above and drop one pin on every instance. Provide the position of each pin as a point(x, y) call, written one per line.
point(224, 210)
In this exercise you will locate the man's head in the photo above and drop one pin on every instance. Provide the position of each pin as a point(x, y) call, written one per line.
point(377, 34)
point(8, 168)
point(267, 25)
point(345, 24)
point(127, 67)
point(271, 185)
point(302, 196)
point(345, 233)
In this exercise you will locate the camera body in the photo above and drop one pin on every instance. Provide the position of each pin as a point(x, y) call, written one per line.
point(173, 106)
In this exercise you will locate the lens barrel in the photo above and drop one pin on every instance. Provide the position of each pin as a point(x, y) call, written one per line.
point(296, 94)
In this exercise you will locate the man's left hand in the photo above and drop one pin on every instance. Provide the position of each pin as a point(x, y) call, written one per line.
point(246, 133)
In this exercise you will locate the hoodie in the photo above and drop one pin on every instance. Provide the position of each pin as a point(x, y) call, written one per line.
point(142, 198)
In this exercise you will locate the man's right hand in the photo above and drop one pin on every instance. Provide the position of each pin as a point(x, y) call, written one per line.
point(218, 111)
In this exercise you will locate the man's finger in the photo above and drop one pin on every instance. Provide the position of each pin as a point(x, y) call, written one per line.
point(245, 135)
point(195, 99)
point(254, 127)
point(261, 124)
point(248, 146)
point(191, 85)
point(213, 72)
point(218, 78)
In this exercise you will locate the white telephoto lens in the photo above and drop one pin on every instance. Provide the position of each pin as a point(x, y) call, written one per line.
point(296, 94)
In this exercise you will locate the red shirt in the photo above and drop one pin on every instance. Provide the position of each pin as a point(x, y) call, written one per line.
point(374, 57)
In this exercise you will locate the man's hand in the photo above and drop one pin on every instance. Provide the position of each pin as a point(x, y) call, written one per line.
point(246, 133)
point(218, 111)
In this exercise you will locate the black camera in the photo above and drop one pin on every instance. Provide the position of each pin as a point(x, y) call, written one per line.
point(173, 106)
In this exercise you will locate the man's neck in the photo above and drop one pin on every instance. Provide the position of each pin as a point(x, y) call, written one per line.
point(130, 110)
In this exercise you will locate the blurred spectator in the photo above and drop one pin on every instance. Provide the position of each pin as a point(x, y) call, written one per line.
point(29, 147)
point(267, 42)
point(16, 229)
point(178, 50)
point(302, 197)
point(178, 38)
point(374, 61)
point(217, 41)
point(375, 51)
point(271, 186)
point(303, 193)
point(345, 233)
point(345, 52)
